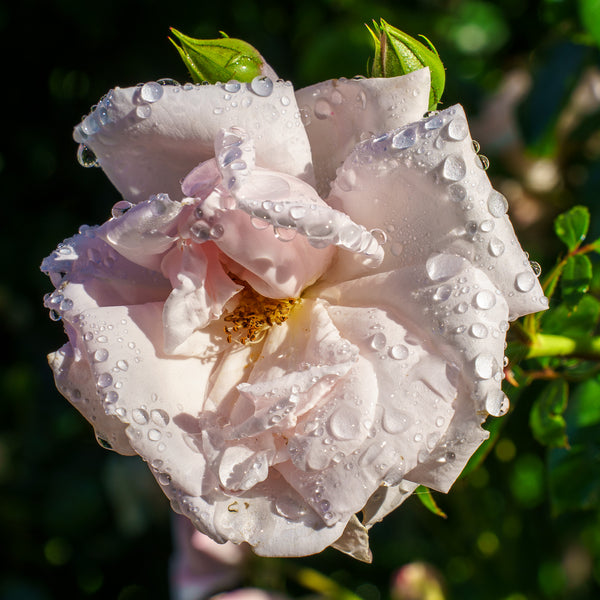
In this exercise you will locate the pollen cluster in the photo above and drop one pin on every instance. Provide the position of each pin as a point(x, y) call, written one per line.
point(254, 314)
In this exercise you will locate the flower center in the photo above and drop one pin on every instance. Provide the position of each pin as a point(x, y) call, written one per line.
point(254, 314)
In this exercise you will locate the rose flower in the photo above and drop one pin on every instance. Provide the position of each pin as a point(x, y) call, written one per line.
point(298, 312)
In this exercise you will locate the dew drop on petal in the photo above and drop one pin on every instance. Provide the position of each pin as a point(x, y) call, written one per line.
point(322, 109)
point(484, 300)
point(344, 423)
point(144, 111)
point(525, 281)
point(435, 122)
point(404, 139)
point(151, 92)
point(442, 293)
point(443, 266)
point(497, 204)
point(378, 342)
point(457, 192)
point(85, 157)
point(232, 86)
point(101, 355)
point(454, 168)
point(478, 330)
point(485, 366)
point(497, 403)
point(154, 435)
point(399, 352)
point(159, 417)
point(104, 380)
point(120, 208)
point(123, 365)
point(262, 85)
point(290, 508)
point(140, 416)
point(458, 129)
point(535, 267)
point(496, 247)
point(395, 421)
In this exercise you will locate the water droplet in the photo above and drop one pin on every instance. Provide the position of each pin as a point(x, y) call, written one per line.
point(435, 122)
point(454, 168)
point(378, 342)
point(258, 223)
point(120, 208)
point(476, 146)
point(497, 204)
point(122, 365)
point(399, 352)
point(101, 355)
point(159, 417)
point(443, 266)
point(497, 403)
point(290, 508)
point(154, 435)
point(344, 423)
point(322, 109)
point(104, 380)
point(200, 232)
point(458, 129)
point(66, 304)
point(285, 234)
point(140, 416)
point(85, 157)
point(484, 300)
point(396, 248)
point(151, 92)
point(478, 330)
point(89, 336)
point(216, 232)
point(232, 86)
point(485, 366)
point(285, 101)
point(111, 397)
point(535, 267)
point(297, 212)
point(442, 293)
point(262, 85)
point(486, 226)
point(525, 281)
point(144, 111)
point(496, 247)
point(305, 116)
point(379, 235)
point(404, 139)
point(457, 192)
point(167, 81)
point(395, 421)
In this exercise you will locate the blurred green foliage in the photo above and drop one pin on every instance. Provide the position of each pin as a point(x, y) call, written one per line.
point(524, 522)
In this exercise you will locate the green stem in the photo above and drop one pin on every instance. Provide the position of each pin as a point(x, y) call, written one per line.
point(323, 585)
point(559, 345)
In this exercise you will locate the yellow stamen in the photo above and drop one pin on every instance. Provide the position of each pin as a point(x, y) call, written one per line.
point(254, 314)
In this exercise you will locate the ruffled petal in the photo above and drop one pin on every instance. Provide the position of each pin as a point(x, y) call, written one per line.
point(339, 113)
point(431, 198)
point(148, 138)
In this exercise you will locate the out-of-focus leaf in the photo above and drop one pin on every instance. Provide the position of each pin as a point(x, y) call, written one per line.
point(572, 322)
point(589, 11)
point(574, 474)
point(576, 278)
point(426, 498)
point(572, 226)
point(546, 420)
point(554, 80)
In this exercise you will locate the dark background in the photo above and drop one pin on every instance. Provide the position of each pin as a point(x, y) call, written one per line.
point(77, 521)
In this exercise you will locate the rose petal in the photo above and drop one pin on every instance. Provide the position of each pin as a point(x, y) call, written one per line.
point(434, 198)
point(338, 114)
point(355, 541)
point(146, 148)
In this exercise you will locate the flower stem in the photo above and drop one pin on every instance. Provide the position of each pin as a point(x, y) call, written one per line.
point(560, 345)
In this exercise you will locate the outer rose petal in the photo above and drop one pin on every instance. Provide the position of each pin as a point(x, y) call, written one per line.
point(145, 148)
point(433, 198)
point(340, 113)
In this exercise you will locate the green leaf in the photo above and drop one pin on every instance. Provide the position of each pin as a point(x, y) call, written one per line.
point(572, 321)
point(574, 474)
point(397, 53)
point(546, 420)
point(572, 226)
point(219, 60)
point(426, 498)
point(589, 12)
point(576, 278)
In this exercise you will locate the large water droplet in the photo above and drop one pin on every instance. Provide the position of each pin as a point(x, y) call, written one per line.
point(435, 122)
point(497, 204)
point(322, 109)
point(344, 423)
point(442, 293)
point(262, 85)
point(404, 139)
point(151, 92)
point(478, 330)
point(144, 111)
point(85, 157)
point(458, 129)
point(497, 403)
point(101, 355)
point(378, 342)
point(454, 168)
point(457, 192)
point(496, 247)
point(290, 508)
point(484, 300)
point(120, 208)
point(139, 416)
point(395, 421)
point(159, 417)
point(485, 366)
point(525, 281)
point(232, 86)
point(399, 352)
point(104, 380)
point(443, 266)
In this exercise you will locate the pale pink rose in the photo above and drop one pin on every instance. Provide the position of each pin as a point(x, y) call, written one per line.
point(382, 271)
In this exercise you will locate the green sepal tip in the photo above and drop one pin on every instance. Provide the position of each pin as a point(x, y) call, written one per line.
point(397, 53)
point(218, 60)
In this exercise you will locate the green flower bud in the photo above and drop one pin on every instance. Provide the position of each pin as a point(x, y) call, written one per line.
point(220, 60)
point(396, 53)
